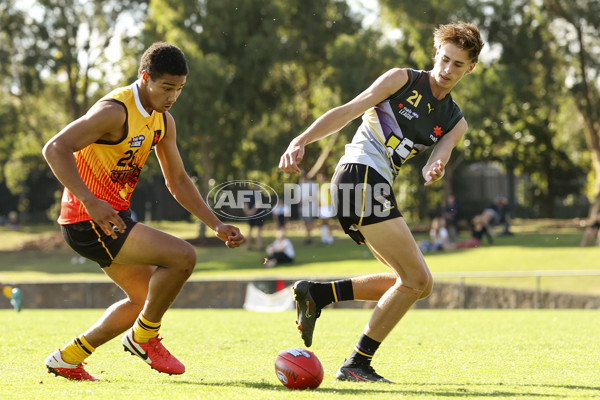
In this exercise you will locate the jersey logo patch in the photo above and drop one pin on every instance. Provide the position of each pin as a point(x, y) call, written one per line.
point(137, 141)
point(406, 112)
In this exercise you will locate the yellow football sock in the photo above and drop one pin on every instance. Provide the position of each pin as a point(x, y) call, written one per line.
point(7, 291)
point(77, 351)
point(144, 330)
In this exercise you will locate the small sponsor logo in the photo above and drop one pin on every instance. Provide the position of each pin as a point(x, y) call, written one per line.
point(137, 141)
point(407, 113)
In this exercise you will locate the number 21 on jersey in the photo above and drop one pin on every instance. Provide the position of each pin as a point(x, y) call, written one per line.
point(415, 99)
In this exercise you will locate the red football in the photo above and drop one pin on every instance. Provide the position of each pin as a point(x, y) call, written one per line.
point(299, 369)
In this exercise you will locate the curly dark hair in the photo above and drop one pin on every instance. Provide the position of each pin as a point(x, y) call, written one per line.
point(163, 58)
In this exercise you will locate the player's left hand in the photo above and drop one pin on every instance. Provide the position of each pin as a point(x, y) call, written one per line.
point(230, 234)
point(435, 172)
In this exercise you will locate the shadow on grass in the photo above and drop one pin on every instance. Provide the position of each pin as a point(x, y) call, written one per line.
point(399, 388)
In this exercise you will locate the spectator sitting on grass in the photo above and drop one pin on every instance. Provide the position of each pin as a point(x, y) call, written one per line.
point(439, 239)
point(478, 231)
point(500, 214)
point(281, 251)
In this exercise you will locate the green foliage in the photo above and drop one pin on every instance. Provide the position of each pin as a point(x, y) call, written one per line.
point(512, 97)
point(55, 52)
point(261, 77)
point(577, 44)
point(261, 71)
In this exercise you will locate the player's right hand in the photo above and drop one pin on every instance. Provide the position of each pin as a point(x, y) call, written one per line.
point(106, 217)
point(291, 158)
point(230, 234)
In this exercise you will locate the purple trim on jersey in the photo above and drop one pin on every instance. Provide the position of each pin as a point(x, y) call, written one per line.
point(387, 123)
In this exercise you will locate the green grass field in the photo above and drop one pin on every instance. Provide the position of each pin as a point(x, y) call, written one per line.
point(229, 354)
point(537, 246)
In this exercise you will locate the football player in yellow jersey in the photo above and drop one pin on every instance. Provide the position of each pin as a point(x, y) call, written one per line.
point(98, 158)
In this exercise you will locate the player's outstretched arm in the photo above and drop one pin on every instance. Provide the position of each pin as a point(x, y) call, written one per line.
point(337, 118)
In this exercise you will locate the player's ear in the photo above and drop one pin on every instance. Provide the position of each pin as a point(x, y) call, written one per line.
point(471, 67)
point(144, 76)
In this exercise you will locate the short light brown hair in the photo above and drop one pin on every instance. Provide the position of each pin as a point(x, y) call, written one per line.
point(462, 34)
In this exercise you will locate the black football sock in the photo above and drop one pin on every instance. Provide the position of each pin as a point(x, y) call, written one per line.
point(331, 292)
point(363, 352)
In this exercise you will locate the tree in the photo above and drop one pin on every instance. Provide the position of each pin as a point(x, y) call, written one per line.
point(57, 59)
point(511, 98)
point(258, 71)
point(577, 26)
point(519, 132)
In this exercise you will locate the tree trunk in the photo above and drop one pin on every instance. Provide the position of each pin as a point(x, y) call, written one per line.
point(322, 157)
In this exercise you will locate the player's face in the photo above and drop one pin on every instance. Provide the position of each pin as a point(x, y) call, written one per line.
point(164, 91)
point(451, 64)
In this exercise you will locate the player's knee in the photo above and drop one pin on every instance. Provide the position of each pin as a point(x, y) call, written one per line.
point(427, 289)
point(186, 260)
point(137, 296)
point(136, 304)
point(418, 285)
point(190, 259)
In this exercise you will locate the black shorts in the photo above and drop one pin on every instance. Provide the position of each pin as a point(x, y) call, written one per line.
point(256, 221)
point(280, 218)
point(90, 241)
point(361, 196)
point(281, 258)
